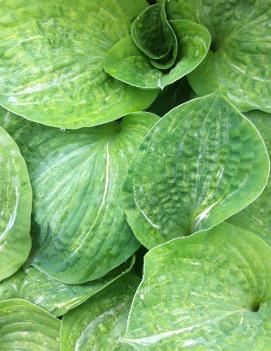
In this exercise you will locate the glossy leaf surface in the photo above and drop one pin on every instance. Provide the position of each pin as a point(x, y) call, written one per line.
point(211, 291)
point(239, 59)
point(55, 297)
point(125, 62)
point(79, 225)
point(52, 54)
point(26, 327)
point(257, 216)
point(200, 164)
point(100, 322)
point(15, 207)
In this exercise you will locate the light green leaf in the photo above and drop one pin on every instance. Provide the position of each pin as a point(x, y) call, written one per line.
point(154, 36)
point(100, 322)
point(79, 225)
point(15, 207)
point(257, 216)
point(211, 291)
point(55, 297)
point(10, 287)
point(26, 327)
point(51, 68)
point(125, 62)
point(199, 165)
point(240, 51)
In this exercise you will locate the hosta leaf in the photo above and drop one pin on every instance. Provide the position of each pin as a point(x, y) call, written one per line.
point(199, 165)
point(257, 216)
point(77, 176)
point(51, 68)
point(15, 207)
point(10, 287)
point(100, 322)
point(240, 52)
point(126, 63)
point(211, 291)
point(26, 327)
point(55, 297)
point(58, 298)
point(154, 36)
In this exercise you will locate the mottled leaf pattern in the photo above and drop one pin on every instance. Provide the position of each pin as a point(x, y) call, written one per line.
point(257, 216)
point(52, 53)
point(239, 59)
point(211, 291)
point(26, 327)
point(80, 229)
point(200, 164)
point(99, 323)
point(15, 207)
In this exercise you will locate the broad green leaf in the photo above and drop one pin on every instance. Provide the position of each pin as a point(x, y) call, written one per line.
point(51, 68)
point(200, 164)
point(26, 327)
point(15, 207)
point(211, 291)
point(79, 225)
point(100, 322)
point(125, 62)
point(154, 36)
point(55, 297)
point(257, 216)
point(10, 287)
point(239, 59)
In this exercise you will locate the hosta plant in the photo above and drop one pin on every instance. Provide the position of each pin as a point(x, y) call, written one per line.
point(135, 205)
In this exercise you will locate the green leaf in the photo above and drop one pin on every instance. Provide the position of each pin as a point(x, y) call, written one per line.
point(240, 51)
point(10, 287)
point(257, 217)
point(211, 291)
point(199, 165)
point(51, 68)
point(15, 207)
point(55, 297)
point(126, 63)
point(79, 225)
point(154, 36)
point(100, 322)
point(26, 327)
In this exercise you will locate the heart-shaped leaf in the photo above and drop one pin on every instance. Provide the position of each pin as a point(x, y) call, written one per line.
point(15, 207)
point(240, 52)
point(79, 225)
point(55, 297)
point(51, 68)
point(125, 62)
point(211, 291)
point(256, 217)
point(26, 327)
point(199, 165)
point(100, 322)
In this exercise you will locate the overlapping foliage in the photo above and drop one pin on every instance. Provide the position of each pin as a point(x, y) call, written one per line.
point(122, 130)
